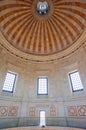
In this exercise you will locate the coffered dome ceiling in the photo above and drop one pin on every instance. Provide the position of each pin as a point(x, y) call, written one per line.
point(41, 28)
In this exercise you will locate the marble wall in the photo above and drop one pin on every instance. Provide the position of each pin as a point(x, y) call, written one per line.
point(62, 106)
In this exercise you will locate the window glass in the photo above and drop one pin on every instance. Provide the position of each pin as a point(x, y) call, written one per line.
point(75, 81)
point(9, 82)
point(42, 85)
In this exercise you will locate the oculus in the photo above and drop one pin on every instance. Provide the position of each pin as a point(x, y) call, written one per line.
point(42, 7)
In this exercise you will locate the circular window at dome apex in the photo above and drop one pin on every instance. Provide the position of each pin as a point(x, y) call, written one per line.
point(42, 7)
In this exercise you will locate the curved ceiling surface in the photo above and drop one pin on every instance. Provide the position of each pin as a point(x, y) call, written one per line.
point(25, 29)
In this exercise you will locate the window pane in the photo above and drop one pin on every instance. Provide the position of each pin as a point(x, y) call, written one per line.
point(9, 82)
point(75, 81)
point(42, 85)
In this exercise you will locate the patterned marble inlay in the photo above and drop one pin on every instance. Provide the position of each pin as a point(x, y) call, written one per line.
point(79, 110)
point(72, 111)
point(32, 111)
point(52, 111)
point(13, 111)
point(3, 110)
point(8, 110)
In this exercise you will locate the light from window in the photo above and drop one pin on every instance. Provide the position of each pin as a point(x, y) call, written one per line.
point(75, 81)
point(42, 7)
point(43, 85)
point(42, 118)
point(9, 82)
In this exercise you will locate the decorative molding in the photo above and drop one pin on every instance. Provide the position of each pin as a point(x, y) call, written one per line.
point(42, 105)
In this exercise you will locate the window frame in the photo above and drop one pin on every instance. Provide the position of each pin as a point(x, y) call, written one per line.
point(42, 77)
point(71, 83)
point(14, 83)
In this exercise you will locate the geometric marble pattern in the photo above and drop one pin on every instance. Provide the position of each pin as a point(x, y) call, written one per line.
point(3, 110)
point(79, 110)
point(32, 111)
point(12, 111)
point(72, 111)
point(8, 110)
point(52, 111)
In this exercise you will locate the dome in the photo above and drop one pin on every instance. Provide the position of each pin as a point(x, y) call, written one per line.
point(41, 28)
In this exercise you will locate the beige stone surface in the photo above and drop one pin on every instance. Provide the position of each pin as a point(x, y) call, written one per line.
point(44, 128)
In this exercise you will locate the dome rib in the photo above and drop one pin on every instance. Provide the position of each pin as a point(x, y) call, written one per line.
point(27, 31)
